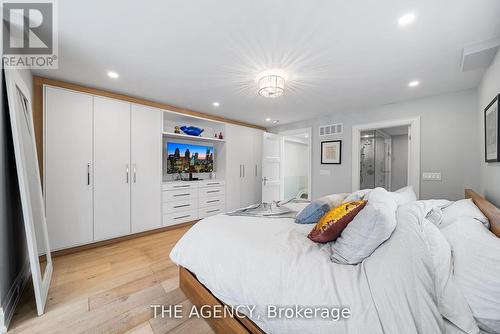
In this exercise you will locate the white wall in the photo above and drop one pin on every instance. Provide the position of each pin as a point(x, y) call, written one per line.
point(449, 137)
point(399, 162)
point(295, 167)
point(489, 173)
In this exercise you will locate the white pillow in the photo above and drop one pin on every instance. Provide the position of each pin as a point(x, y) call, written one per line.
point(405, 195)
point(368, 230)
point(463, 208)
point(451, 301)
point(477, 269)
point(357, 195)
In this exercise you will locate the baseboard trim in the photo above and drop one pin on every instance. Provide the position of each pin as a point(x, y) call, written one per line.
point(77, 249)
point(7, 309)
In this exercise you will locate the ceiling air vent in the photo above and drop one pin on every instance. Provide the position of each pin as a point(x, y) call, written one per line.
point(333, 129)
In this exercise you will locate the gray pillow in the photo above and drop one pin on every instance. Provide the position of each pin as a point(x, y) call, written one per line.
point(368, 230)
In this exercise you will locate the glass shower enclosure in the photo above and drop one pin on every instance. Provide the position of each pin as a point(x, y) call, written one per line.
point(375, 160)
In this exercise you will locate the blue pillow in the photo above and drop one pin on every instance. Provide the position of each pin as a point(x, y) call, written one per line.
point(313, 212)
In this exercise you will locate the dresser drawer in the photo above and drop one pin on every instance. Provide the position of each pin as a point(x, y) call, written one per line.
point(179, 185)
point(212, 183)
point(179, 206)
point(210, 211)
point(214, 191)
point(211, 201)
point(179, 217)
point(181, 194)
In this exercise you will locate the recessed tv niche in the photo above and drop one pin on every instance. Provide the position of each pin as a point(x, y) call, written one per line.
point(189, 158)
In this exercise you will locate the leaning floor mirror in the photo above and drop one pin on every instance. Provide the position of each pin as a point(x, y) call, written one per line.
point(30, 186)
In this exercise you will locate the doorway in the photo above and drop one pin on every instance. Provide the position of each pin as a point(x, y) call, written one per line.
point(386, 154)
point(297, 163)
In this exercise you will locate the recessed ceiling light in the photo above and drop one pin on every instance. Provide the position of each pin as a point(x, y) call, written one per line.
point(268, 119)
point(413, 83)
point(406, 19)
point(216, 104)
point(276, 121)
point(113, 75)
point(307, 136)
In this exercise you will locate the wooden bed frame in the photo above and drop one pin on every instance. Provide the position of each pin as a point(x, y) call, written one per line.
point(200, 295)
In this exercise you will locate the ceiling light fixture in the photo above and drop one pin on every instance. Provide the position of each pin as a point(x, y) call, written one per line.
point(268, 119)
point(113, 75)
point(414, 83)
point(406, 19)
point(216, 104)
point(276, 121)
point(271, 83)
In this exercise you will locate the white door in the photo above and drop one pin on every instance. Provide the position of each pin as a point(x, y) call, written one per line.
point(272, 174)
point(257, 167)
point(248, 167)
point(68, 167)
point(146, 176)
point(235, 145)
point(112, 170)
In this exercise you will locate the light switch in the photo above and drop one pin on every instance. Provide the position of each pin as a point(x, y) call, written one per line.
point(324, 172)
point(431, 176)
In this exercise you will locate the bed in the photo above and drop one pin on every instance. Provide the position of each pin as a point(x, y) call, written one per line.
point(256, 262)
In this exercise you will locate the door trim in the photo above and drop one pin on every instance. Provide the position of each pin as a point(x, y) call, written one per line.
point(413, 149)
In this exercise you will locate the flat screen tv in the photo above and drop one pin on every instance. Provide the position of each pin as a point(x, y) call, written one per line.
point(189, 158)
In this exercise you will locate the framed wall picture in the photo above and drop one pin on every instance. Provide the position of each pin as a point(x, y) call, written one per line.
point(491, 135)
point(331, 152)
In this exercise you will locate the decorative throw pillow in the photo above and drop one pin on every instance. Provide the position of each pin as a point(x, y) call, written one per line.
point(331, 225)
point(318, 208)
point(405, 195)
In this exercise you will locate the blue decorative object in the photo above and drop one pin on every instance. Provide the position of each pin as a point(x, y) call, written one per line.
point(191, 130)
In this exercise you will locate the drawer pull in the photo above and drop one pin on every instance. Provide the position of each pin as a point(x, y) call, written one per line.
point(210, 211)
point(182, 217)
point(178, 195)
point(212, 191)
point(213, 184)
point(181, 206)
point(213, 201)
point(182, 186)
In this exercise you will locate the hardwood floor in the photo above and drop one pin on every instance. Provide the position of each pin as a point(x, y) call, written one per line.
point(110, 289)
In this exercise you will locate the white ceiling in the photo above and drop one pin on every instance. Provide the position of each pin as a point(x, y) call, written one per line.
point(340, 56)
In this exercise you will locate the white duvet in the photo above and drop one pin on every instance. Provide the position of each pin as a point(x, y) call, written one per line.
point(262, 261)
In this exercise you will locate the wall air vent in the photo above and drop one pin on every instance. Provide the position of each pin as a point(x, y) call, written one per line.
point(333, 129)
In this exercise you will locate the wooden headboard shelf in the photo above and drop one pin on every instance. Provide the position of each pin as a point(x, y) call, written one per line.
point(487, 208)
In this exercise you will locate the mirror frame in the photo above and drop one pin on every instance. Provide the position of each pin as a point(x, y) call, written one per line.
point(41, 281)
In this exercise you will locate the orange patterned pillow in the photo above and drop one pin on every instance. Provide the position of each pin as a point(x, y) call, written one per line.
point(335, 221)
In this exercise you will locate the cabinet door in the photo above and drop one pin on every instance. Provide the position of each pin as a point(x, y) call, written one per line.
point(112, 170)
point(146, 177)
point(235, 147)
point(67, 167)
point(247, 184)
point(257, 166)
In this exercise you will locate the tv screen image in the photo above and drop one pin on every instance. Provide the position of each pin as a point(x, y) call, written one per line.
point(189, 158)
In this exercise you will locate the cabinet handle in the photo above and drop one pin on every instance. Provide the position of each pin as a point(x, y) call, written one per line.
point(210, 211)
point(183, 186)
point(88, 174)
point(256, 170)
point(135, 174)
point(243, 170)
point(213, 201)
point(182, 217)
point(240, 170)
point(212, 184)
point(212, 191)
point(178, 195)
point(127, 170)
point(181, 206)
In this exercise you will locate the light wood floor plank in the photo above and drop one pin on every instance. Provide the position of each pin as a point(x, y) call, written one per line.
point(110, 289)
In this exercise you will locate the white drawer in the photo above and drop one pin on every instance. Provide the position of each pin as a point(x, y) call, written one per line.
point(214, 191)
point(179, 217)
point(181, 194)
point(179, 206)
point(211, 201)
point(212, 183)
point(210, 211)
point(179, 185)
